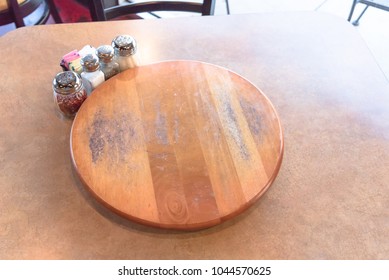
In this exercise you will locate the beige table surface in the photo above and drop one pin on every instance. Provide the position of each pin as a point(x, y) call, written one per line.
point(329, 201)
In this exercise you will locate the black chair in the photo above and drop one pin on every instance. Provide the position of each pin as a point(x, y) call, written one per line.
point(56, 5)
point(380, 4)
point(15, 11)
point(101, 13)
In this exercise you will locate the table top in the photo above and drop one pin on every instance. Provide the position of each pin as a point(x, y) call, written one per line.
point(177, 144)
point(329, 200)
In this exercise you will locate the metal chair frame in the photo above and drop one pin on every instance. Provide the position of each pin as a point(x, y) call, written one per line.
point(17, 12)
point(379, 4)
point(100, 13)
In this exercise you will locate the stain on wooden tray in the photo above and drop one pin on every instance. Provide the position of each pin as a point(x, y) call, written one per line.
point(108, 135)
point(234, 129)
point(252, 115)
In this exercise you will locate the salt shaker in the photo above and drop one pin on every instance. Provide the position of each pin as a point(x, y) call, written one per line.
point(125, 51)
point(108, 65)
point(91, 76)
point(69, 92)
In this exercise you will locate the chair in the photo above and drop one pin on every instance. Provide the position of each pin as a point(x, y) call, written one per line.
point(73, 10)
point(380, 4)
point(14, 11)
point(101, 13)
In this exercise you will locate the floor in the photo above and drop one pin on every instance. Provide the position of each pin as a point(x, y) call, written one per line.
point(373, 26)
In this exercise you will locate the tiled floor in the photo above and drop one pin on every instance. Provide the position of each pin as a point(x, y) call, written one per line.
point(373, 27)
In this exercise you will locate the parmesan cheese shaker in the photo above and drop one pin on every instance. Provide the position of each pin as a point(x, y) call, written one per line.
point(125, 51)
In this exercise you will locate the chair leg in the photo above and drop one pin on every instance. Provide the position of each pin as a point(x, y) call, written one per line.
point(227, 7)
point(13, 6)
point(356, 22)
point(352, 10)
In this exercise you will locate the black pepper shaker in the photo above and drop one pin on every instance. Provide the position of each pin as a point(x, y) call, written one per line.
point(107, 63)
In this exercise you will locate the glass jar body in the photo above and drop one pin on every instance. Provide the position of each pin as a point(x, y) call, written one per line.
point(69, 104)
point(126, 62)
point(91, 80)
point(109, 69)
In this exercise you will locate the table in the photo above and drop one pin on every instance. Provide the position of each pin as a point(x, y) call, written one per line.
point(329, 201)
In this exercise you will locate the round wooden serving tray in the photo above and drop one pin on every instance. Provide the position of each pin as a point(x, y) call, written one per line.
point(178, 144)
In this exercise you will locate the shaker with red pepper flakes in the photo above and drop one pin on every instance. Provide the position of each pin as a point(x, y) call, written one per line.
point(69, 92)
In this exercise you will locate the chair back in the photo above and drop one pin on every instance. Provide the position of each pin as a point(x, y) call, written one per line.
point(101, 13)
point(16, 12)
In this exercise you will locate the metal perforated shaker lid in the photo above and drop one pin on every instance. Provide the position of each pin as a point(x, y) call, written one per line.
point(90, 63)
point(67, 82)
point(105, 53)
point(124, 45)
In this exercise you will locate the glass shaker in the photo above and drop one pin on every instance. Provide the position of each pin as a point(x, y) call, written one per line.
point(91, 76)
point(69, 92)
point(125, 51)
point(108, 65)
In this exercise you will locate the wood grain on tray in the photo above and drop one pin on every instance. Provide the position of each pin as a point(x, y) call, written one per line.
point(179, 144)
